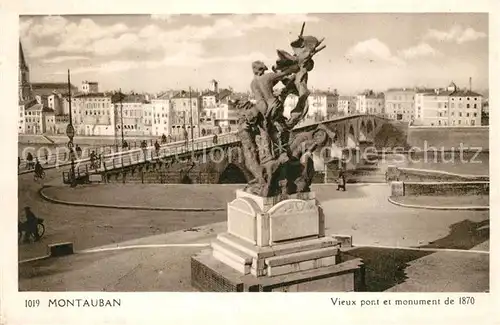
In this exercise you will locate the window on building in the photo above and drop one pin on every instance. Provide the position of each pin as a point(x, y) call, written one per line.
point(475, 105)
point(468, 105)
point(468, 114)
point(460, 114)
point(475, 114)
point(459, 121)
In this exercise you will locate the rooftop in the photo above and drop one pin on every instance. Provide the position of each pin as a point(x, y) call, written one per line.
point(226, 93)
point(372, 94)
point(52, 85)
point(456, 93)
point(36, 107)
point(209, 93)
point(323, 93)
point(87, 95)
point(163, 96)
point(186, 94)
point(48, 110)
point(409, 90)
point(135, 98)
point(424, 90)
point(28, 103)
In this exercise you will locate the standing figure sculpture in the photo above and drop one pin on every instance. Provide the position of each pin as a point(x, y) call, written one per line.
point(280, 164)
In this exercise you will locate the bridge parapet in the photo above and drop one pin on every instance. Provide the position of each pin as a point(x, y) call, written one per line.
point(343, 131)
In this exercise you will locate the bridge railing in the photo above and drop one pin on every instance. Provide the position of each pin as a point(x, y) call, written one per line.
point(137, 156)
point(149, 154)
point(62, 155)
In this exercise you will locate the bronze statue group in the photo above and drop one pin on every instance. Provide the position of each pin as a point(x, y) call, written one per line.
point(279, 159)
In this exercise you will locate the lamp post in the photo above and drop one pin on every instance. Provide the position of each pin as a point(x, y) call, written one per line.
point(191, 120)
point(121, 115)
point(70, 132)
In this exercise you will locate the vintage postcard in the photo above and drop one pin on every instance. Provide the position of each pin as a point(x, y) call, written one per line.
point(319, 163)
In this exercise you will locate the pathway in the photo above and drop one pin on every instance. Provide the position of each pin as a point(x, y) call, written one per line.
point(363, 212)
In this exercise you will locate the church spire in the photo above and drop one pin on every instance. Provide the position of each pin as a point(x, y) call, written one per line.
point(22, 60)
point(25, 91)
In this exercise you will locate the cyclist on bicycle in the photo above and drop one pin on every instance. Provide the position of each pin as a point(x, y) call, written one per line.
point(30, 225)
point(38, 169)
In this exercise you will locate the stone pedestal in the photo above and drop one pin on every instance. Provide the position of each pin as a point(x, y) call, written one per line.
point(275, 244)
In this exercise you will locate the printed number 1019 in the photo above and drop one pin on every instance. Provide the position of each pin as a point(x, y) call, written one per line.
point(32, 303)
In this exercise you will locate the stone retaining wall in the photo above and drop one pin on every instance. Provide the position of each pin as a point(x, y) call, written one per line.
point(439, 188)
point(423, 175)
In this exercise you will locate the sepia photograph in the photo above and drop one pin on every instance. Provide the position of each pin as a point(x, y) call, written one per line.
point(334, 160)
point(230, 153)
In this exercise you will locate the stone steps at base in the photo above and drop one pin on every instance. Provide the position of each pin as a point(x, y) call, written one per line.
point(242, 268)
point(302, 256)
point(211, 275)
point(232, 257)
point(275, 250)
point(301, 266)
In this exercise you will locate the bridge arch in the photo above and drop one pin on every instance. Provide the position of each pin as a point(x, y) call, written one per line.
point(370, 130)
point(362, 131)
point(351, 138)
point(336, 143)
point(232, 174)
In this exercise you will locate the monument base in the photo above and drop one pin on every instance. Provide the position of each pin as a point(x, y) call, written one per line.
point(209, 274)
point(276, 244)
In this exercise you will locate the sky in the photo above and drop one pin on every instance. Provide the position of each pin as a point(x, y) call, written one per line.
point(152, 53)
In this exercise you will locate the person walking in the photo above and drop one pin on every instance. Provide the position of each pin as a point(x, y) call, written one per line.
point(78, 151)
point(157, 148)
point(341, 182)
point(93, 160)
point(144, 146)
point(29, 161)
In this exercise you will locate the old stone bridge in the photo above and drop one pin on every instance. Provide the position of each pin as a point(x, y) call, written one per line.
point(203, 161)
